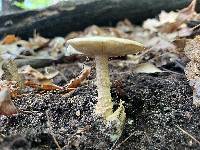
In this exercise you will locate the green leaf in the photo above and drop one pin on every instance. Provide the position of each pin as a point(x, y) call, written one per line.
point(34, 4)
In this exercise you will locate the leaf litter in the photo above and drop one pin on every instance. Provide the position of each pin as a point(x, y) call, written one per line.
point(170, 46)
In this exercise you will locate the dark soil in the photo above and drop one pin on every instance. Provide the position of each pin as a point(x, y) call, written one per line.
point(158, 105)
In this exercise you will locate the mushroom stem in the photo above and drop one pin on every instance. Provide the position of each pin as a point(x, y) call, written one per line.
point(104, 105)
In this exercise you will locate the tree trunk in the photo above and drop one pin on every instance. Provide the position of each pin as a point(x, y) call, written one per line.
point(74, 15)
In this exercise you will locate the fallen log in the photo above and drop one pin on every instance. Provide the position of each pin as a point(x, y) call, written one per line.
point(68, 16)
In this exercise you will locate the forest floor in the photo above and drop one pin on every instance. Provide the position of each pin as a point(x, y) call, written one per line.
point(52, 93)
point(158, 107)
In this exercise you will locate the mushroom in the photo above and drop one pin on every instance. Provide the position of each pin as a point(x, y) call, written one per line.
point(101, 48)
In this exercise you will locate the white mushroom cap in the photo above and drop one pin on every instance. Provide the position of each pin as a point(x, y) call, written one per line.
point(110, 46)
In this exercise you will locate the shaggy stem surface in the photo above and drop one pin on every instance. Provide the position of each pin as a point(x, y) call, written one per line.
point(104, 105)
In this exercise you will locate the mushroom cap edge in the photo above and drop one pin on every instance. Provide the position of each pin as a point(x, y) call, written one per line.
point(111, 46)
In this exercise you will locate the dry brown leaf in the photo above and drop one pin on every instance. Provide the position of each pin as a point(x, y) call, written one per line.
point(125, 26)
point(188, 12)
point(180, 44)
point(7, 107)
point(74, 83)
point(44, 86)
point(103, 31)
point(31, 73)
point(73, 35)
point(37, 41)
point(13, 50)
point(57, 45)
point(10, 39)
point(164, 17)
point(185, 32)
point(157, 43)
point(183, 15)
point(167, 17)
point(169, 22)
point(36, 79)
point(11, 85)
point(151, 25)
point(170, 27)
point(94, 31)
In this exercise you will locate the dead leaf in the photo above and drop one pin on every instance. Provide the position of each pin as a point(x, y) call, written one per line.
point(101, 31)
point(43, 86)
point(169, 22)
point(73, 35)
point(180, 44)
point(167, 17)
point(188, 12)
point(74, 83)
point(158, 43)
point(10, 39)
point(57, 45)
point(31, 73)
point(164, 17)
point(13, 50)
point(36, 79)
point(11, 85)
point(184, 15)
point(185, 32)
point(7, 107)
point(37, 41)
point(125, 26)
point(151, 25)
point(94, 31)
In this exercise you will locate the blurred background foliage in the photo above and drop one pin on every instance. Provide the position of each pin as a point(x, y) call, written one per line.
point(26, 4)
point(34, 4)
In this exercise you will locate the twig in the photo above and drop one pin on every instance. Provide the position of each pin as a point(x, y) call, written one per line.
point(195, 27)
point(123, 141)
point(167, 70)
point(188, 134)
point(27, 111)
point(51, 131)
point(145, 52)
point(113, 146)
point(179, 64)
